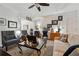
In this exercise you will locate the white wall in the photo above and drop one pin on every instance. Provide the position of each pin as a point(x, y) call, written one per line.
point(70, 21)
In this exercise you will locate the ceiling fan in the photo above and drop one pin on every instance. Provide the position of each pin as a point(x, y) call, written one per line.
point(37, 5)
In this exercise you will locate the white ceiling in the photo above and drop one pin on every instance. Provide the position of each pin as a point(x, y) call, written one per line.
point(22, 8)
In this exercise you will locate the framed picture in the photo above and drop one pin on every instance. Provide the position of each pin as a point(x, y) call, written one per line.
point(49, 25)
point(54, 22)
point(60, 18)
point(2, 21)
point(25, 27)
point(12, 24)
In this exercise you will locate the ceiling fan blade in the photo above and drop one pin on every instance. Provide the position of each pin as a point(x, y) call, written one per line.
point(39, 8)
point(43, 4)
point(31, 6)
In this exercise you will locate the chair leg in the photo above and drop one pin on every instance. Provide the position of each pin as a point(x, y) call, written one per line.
point(38, 52)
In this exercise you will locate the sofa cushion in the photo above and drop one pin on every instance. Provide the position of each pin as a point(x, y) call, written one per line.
point(73, 39)
point(12, 41)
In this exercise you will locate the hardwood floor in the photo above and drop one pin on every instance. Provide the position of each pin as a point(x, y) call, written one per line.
point(48, 51)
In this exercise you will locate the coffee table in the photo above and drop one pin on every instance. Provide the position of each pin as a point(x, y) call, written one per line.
point(41, 43)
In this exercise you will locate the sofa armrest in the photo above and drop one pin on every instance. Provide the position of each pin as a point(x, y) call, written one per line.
point(59, 48)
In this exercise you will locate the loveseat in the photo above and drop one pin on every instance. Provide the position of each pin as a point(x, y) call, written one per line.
point(9, 38)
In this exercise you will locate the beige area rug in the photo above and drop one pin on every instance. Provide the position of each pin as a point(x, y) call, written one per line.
point(45, 51)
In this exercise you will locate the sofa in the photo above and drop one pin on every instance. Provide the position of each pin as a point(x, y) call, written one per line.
point(59, 47)
point(10, 37)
